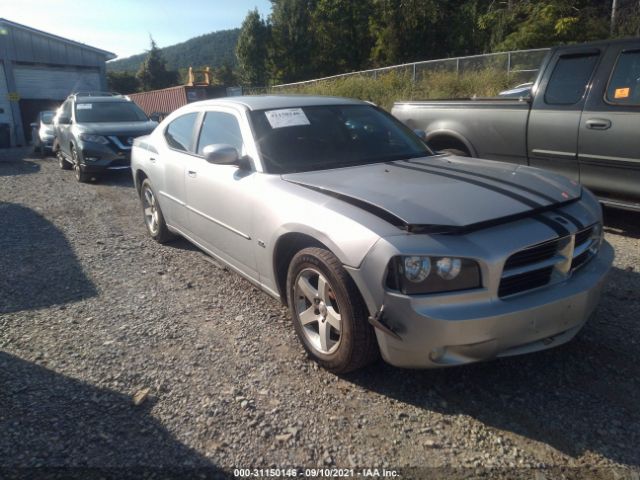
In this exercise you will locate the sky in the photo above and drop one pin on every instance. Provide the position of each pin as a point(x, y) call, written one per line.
point(123, 26)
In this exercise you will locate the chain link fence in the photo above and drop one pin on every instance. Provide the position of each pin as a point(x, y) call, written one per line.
point(521, 65)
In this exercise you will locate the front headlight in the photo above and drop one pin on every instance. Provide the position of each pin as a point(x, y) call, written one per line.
point(87, 137)
point(421, 274)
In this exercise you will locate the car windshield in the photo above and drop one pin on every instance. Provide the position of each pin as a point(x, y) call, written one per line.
point(47, 117)
point(109, 112)
point(331, 136)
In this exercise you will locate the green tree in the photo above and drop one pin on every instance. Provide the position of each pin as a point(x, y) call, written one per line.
point(625, 19)
point(408, 30)
point(342, 36)
point(251, 50)
point(122, 82)
point(292, 45)
point(153, 73)
point(533, 24)
point(224, 75)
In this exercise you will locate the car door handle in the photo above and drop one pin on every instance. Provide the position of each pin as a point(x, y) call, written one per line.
point(598, 124)
point(192, 173)
point(152, 160)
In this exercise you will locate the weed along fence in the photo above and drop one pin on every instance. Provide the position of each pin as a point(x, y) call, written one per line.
point(460, 77)
point(521, 64)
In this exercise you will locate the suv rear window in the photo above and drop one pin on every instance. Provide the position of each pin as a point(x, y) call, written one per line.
point(104, 112)
point(624, 86)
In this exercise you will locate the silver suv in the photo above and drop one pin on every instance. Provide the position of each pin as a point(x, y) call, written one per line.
point(94, 133)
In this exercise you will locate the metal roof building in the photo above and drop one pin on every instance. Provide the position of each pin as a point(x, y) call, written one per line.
point(37, 71)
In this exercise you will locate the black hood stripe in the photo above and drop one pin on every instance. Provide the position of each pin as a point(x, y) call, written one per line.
point(445, 229)
point(493, 179)
point(385, 215)
point(572, 219)
point(507, 193)
point(553, 225)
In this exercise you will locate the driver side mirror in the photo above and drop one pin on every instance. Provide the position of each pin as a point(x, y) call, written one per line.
point(64, 120)
point(221, 154)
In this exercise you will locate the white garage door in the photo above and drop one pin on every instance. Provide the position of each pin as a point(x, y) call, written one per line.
point(55, 84)
point(5, 106)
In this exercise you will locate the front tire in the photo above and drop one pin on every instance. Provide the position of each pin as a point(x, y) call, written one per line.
point(78, 170)
point(153, 218)
point(329, 315)
point(62, 162)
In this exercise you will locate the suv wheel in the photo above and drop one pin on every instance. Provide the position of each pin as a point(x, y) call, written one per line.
point(78, 170)
point(328, 312)
point(153, 218)
point(62, 162)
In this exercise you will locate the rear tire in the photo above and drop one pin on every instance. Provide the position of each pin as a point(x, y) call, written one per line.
point(153, 218)
point(455, 152)
point(329, 315)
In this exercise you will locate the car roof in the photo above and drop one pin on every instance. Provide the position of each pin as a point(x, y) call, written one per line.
point(265, 102)
point(88, 99)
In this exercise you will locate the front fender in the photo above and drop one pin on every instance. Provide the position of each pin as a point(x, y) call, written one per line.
point(349, 253)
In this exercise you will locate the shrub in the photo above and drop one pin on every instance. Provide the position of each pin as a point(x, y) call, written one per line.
point(388, 87)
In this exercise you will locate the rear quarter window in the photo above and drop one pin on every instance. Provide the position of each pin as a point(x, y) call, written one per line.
point(570, 78)
point(624, 84)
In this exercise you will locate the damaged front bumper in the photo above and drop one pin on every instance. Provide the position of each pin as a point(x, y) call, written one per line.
point(422, 331)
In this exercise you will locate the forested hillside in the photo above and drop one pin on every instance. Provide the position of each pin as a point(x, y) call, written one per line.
point(306, 39)
point(213, 49)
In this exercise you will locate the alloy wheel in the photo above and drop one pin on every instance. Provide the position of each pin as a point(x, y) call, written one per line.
point(150, 210)
point(317, 311)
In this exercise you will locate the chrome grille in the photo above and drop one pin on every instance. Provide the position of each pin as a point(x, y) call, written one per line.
point(525, 281)
point(535, 266)
point(583, 250)
point(583, 235)
point(533, 254)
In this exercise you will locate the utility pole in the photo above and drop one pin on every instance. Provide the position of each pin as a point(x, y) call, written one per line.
point(614, 17)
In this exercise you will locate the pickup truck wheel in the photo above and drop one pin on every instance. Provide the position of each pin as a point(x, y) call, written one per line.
point(64, 165)
point(329, 315)
point(153, 218)
point(454, 151)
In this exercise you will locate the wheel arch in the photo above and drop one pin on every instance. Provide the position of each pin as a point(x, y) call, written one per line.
point(138, 178)
point(287, 245)
point(440, 139)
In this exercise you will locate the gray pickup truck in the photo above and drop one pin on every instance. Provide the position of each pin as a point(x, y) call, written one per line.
point(581, 119)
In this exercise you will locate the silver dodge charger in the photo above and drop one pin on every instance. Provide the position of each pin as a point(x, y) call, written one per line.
point(376, 244)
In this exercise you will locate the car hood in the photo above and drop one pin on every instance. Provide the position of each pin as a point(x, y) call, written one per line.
point(118, 128)
point(443, 194)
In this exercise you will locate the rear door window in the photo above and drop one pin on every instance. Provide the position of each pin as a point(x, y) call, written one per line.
point(179, 133)
point(624, 85)
point(570, 78)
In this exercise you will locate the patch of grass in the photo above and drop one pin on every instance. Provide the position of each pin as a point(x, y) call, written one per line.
point(386, 88)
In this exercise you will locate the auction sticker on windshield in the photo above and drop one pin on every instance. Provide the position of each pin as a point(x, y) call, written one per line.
point(84, 106)
point(286, 117)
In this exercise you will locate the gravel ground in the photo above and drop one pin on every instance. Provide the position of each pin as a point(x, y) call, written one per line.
point(93, 313)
